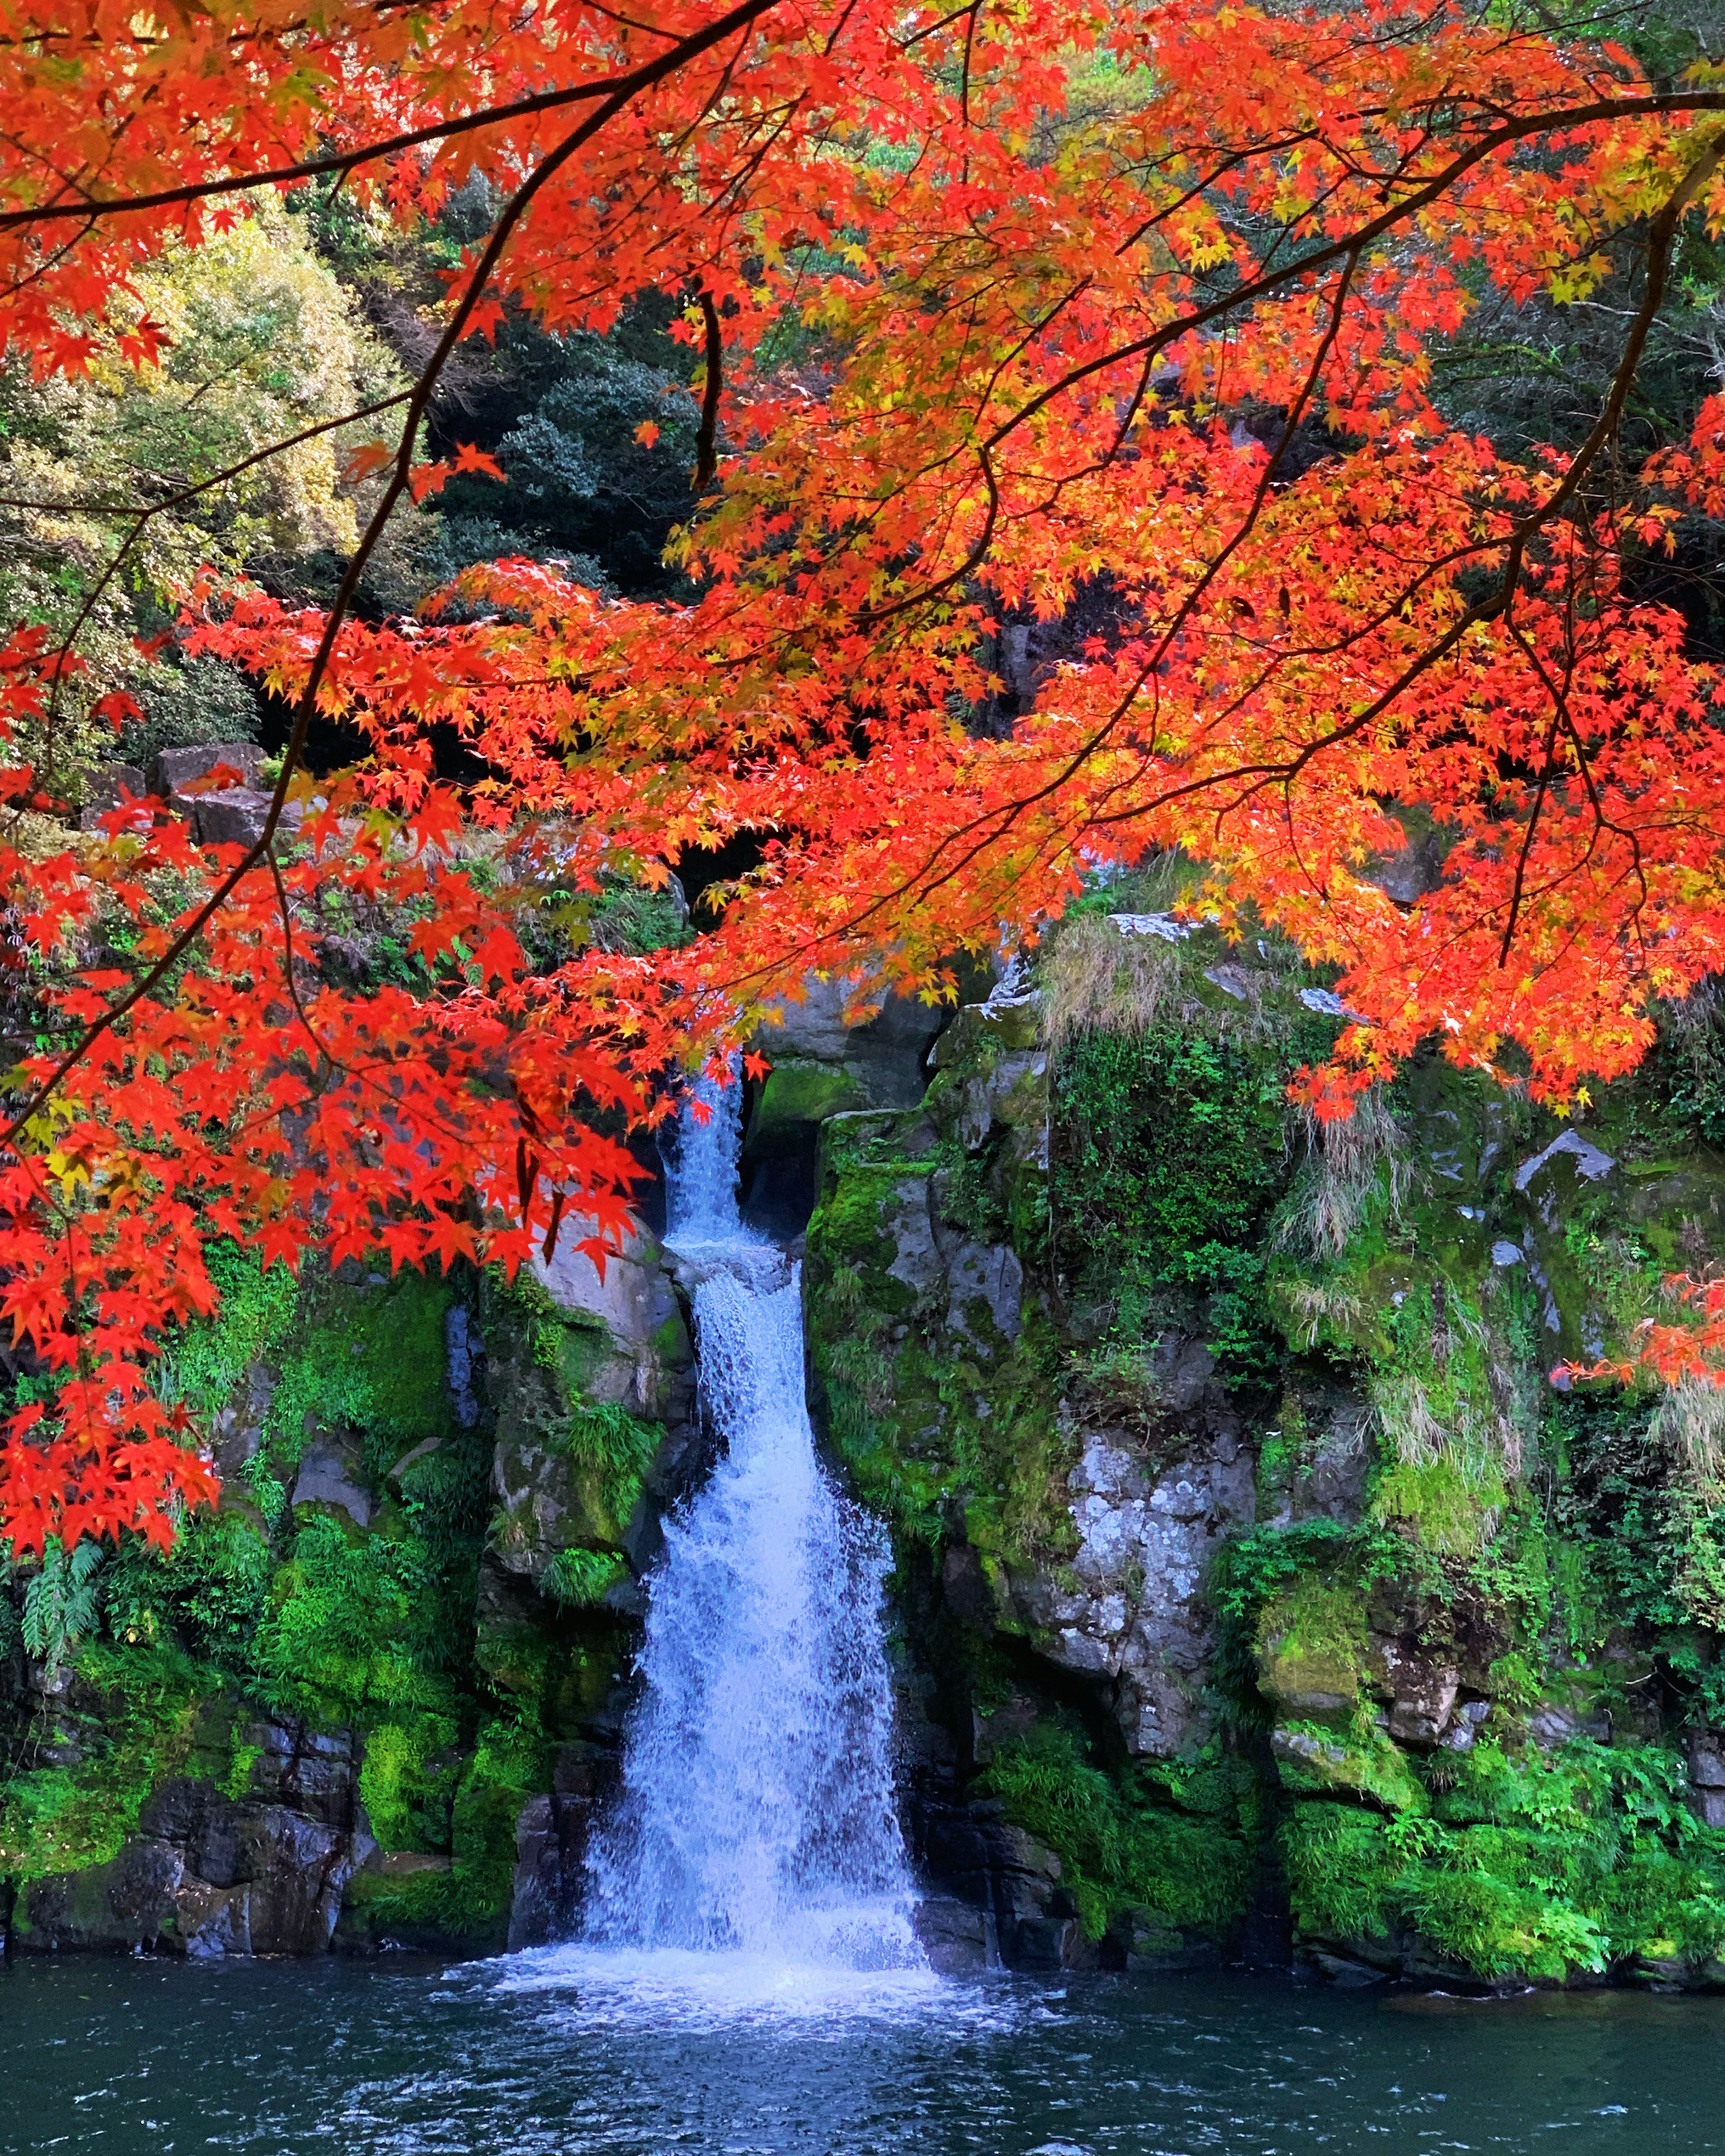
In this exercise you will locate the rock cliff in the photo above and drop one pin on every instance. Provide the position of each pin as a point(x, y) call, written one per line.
point(1269, 1583)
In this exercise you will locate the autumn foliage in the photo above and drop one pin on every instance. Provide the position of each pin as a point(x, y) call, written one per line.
point(1039, 313)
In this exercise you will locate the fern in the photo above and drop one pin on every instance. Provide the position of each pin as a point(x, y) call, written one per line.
point(580, 1576)
point(60, 1603)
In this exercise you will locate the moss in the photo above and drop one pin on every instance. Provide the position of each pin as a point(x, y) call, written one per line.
point(797, 1094)
point(1119, 1848)
point(69, 1819)
point(1319, 1759)
point(353, 1637)
point(1312, 1647)
point(369, 1357)
point(207, 1362)
point(469, 1903)
point(1454, 1514)
point(929, 1438)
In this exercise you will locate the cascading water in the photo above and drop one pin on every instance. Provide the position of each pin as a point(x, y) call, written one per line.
point(755, 1814)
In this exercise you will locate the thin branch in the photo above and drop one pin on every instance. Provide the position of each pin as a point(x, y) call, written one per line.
point(608, 87)
point(622, 95)
point(706, 441)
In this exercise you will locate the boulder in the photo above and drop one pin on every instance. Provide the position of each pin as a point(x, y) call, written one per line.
point(176, 769)
point(885, 1055)
point(328, 1475)
point(206, 1873)
point(105, 788)
point(1422, 1693)
point(236, 816)
point(958, 1937)
point(1131, 1607)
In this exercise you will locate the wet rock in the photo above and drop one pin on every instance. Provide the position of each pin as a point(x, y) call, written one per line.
point(208, 1874)
point(906, 1217)
point(551, 1836)
point(130, 1901)
point(1413, 870)
point(641, 1347)
point(958, 1937)
point(1328, 1004)
point(1346, 1975)
point(1313, 1762)
point(1552, 1725)
point(1008, 1022)
point(1164, 926)
point(799, 1092)
point(1463, 1732)
point(1708, 1806)
point(1590, 1163)
point(237, 1426)
point(465, 1351)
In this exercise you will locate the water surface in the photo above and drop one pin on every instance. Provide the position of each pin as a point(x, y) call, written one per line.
point(567, 2054)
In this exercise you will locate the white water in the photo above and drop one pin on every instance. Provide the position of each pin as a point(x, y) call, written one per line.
point(754, 1849)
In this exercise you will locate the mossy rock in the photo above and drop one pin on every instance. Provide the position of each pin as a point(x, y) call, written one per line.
point(1317, 1760)
point(1313, 1650)
point(795, 1095)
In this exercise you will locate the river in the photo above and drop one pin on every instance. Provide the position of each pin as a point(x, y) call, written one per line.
point(552, 2055)
point(748, 1982)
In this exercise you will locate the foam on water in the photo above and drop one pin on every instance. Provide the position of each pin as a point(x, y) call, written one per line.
point(753, 1852)
point(672, 1987)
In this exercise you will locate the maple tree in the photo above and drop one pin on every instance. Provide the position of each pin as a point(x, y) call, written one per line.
point(1045, 313)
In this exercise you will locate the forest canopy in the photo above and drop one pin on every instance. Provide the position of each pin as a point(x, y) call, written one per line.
point(898, 462)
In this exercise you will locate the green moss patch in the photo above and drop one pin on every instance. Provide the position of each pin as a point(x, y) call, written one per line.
point(1120, 1849)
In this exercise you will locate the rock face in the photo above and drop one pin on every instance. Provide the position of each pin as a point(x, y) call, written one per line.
point(205, 1873)
point(439, 1504)
point(568, 1480)
point(1136, 1612)
point(1259, 1592)
point(1214, 1648)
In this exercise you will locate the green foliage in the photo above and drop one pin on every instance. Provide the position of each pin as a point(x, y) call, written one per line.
point(1617, 1502)
point(1167, 1157)
point(207, 1362)
point(61, 1818)
point(577, 1578)
point(471, 1900)
point(207, 1594)
point(1533, 1864)
point(263, 342)
point(1118, 1848)
point(346, 1634)
point(368, 1357)
point(61, 1601)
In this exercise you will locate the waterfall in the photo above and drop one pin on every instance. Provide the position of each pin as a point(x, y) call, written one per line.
point(756, 1813)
